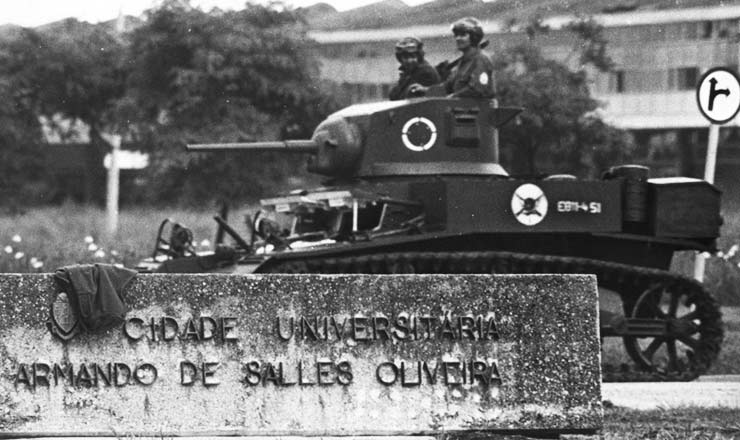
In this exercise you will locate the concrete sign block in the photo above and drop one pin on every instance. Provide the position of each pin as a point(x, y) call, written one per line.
point(307, 355)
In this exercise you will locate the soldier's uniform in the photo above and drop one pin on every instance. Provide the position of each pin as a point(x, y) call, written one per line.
point(472, 77)
point(423, 74)
point(414, 70)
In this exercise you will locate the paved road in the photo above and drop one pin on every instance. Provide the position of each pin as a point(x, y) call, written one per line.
point(710, 391)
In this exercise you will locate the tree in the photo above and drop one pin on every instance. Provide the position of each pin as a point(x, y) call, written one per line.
point(68, 70)
point(20, 136)
point(83, 74)
point(221, 77)
point(20, 133)
point(560, 117)
point(71, 70)
point(591, 43)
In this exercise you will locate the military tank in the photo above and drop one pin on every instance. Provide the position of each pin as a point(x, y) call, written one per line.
point(415, 186)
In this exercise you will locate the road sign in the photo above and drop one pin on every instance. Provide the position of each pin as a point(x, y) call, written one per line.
point(718, 95)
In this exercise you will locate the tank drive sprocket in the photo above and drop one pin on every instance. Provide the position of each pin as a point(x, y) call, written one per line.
point(690, 315)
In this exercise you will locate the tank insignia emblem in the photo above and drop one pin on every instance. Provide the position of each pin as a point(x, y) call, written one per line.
point(529, 204)
point(419, 134)
point(64, 319)
point(483, 79)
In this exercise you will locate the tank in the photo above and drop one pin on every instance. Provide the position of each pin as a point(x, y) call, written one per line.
point(416, 186)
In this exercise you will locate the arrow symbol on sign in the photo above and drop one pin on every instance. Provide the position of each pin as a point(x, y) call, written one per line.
point(714, 92)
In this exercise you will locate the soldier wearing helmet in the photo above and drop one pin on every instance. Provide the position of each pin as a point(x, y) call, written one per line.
point(472, 74)
point(413, 70)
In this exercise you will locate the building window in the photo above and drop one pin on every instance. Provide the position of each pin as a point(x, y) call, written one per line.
point(371, 92)
point(683, 78)
point(366, 53)
point(724, 28)
point(705, 30)
point(616, 81)
point(386, 90)
point(687, 78)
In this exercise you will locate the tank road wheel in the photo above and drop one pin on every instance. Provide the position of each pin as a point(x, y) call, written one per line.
point(687, 345)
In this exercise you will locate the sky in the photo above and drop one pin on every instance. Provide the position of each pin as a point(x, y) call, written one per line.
point(36, 12)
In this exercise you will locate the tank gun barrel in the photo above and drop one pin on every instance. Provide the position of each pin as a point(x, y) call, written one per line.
point(292, 146)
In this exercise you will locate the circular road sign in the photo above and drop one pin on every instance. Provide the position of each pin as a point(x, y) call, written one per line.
point(718, 95)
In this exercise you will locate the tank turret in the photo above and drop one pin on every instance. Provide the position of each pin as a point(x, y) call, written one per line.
point(436, 136)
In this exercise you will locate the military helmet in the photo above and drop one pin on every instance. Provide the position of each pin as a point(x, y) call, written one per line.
point(410, 45)
point(471, 26)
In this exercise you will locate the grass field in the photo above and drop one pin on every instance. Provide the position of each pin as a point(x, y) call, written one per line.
point(44, 239)
point(673, 424)
point(72, 234)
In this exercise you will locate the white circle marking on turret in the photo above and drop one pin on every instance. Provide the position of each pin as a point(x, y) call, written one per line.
point(405, 136)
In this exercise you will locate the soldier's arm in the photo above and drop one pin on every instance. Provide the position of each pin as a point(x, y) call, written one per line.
point(395, 93)
point(399, 90)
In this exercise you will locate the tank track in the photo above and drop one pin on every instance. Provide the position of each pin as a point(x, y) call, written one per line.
point(628, 281)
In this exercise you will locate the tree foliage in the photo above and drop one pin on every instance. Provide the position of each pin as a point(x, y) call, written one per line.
point(183, 75)
point(82, 74)
point(70, 69)
point(591, 43)
point(20, 134)
point(559, 129)
point(220, 77)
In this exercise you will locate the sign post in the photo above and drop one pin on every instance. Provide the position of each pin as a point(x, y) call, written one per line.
point(111, 200)
point(718, 98)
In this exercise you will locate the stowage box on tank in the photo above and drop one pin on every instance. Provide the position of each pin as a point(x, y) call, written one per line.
point(685, 208)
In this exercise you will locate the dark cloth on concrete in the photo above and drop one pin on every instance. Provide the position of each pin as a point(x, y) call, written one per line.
point(472, 77)
point(96, 291)
point(424, 74)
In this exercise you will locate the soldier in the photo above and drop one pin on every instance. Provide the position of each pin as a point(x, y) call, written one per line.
point(472, 74)
point(413, 70)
